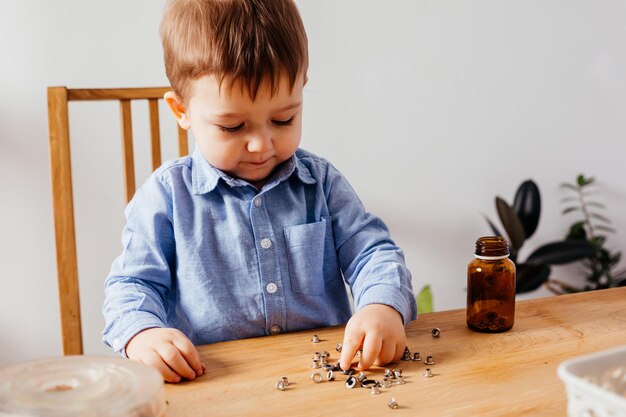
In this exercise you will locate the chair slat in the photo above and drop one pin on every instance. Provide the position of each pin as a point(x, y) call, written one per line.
point(65, 237)
point(90, 94)
point(127, 152)
point(183, 143)
point(155, 136)
point(61, 172)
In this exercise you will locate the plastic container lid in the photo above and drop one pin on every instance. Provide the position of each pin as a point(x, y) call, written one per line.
point(73, 386)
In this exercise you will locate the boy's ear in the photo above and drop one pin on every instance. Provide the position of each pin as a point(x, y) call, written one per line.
point(178, 109)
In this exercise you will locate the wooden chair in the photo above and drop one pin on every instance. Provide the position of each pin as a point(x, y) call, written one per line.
point(61, 171)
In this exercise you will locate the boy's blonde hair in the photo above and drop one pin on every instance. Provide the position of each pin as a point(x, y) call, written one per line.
point(244, 41)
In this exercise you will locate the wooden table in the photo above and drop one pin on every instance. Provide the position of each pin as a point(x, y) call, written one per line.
point(508, 374)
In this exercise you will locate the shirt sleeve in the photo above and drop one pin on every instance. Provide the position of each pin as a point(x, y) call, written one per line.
point(372, 264)
point(141, 277)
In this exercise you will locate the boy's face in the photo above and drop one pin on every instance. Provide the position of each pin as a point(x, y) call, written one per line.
point(244, 138)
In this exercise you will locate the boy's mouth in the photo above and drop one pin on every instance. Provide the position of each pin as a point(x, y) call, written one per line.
point(259, 163)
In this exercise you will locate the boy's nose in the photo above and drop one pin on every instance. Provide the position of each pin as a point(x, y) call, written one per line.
point(259, 142)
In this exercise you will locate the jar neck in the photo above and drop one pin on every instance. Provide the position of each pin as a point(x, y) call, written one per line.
point(490, 258)
point(491, 248)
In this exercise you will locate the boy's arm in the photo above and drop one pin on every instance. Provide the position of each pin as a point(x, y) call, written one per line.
point(138, 286)
point(140, 278)
point(374, 268)
point(372, 264)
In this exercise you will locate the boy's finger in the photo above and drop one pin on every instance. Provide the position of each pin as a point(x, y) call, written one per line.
point(371, 348)
point(190, 353)
point(399, 351)
point(155, 361)
point(386, 354)
point(174, 359)
point(351, 343)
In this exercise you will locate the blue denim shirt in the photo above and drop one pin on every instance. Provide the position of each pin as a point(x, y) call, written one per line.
point(218, 259)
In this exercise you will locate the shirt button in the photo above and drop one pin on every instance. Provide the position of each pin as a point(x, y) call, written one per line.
point(266, 243)
point(257, 201)
point(271, 288)
point(274, 329)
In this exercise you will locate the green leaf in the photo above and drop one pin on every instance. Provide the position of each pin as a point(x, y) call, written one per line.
point(527, 205)
point(511, 223)
point(529, 277)
point(570, 209)
point(577, 231)
point(425, 300)
point(594, 204)
point(605, 228)
point(563, 252)
point(580, 180)
point(600, 217)
point(598, 240)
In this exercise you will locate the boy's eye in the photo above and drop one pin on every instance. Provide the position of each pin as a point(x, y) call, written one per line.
point(283, 122)
point(231, 129)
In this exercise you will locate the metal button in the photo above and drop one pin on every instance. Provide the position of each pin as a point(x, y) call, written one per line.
point(271, 288)
point(274, 329)
point(257, 201)
point(393, 404)
point(369, 383)
point(328, 366)
point(266, 243)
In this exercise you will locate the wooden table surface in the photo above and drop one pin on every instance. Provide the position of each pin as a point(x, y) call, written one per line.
point(507, 374)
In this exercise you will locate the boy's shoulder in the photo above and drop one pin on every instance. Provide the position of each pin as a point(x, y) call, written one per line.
point(174, 166)
point(316, 165)
point(173, 172)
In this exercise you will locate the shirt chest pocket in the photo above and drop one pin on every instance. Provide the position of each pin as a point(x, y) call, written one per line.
point(306, 245)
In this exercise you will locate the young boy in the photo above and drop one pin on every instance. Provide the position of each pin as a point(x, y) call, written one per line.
point(249, 236)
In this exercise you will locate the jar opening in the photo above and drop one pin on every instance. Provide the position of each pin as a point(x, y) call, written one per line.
point(492, 246)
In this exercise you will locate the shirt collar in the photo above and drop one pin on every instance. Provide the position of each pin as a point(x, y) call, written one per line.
point(205, 176)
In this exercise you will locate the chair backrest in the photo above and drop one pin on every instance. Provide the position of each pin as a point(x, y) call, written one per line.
point(61, 172)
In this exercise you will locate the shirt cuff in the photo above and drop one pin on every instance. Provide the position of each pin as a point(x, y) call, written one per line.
point(391, 296)
point(127, 326)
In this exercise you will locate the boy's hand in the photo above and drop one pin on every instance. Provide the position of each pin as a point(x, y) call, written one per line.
point(167, 350)
point(378, 328)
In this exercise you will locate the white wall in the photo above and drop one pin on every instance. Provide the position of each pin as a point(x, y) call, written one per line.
point(430, 108)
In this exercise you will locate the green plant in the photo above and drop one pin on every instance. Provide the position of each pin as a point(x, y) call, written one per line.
point(601, 264)
point(520, 222)
point(424, 300)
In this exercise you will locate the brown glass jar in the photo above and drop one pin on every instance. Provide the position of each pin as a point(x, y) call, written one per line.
point(491, 287)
